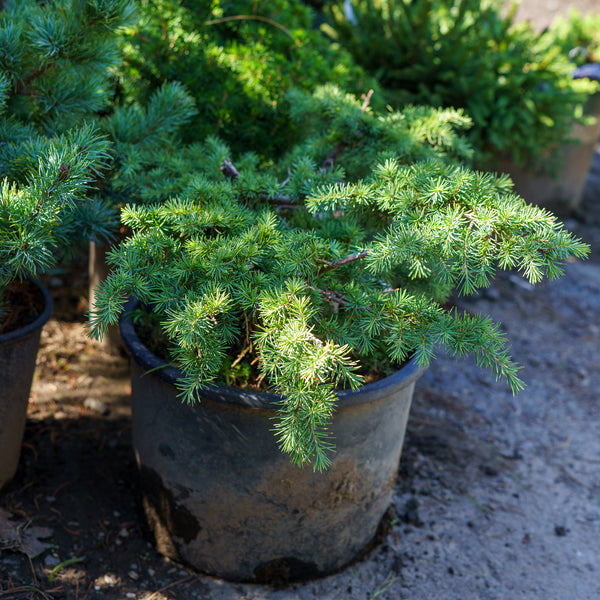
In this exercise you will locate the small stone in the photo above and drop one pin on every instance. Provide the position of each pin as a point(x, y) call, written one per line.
point(130, 595)
point(133, 575)
point(96, 406)
point(521, 283)
point(51, 561)
point(124, 533)
point(151, 572)
point(108, 579)
point(491, 294)
point(560, 530)
point(489, 470)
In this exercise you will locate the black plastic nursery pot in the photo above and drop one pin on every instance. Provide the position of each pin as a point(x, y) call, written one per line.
point(18, 353)
point(218, 494)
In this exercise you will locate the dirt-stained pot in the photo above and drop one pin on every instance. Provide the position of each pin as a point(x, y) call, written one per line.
point(18, 353)
point(218, 494)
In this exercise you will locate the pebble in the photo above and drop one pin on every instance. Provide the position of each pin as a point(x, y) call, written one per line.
point(96, 406)
point(133, 575)
point(51, 561)
point(109, 580)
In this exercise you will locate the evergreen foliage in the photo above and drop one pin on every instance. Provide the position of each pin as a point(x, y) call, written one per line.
point(338, 132)
point(238, 60)
point(515, 84)
point(578, 36)
point(339, 129)
point(63, 144)
point(56, 60)
point(314, 281)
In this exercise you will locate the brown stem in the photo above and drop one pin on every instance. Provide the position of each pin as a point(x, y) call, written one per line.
point(330, 296)
point(21, 86)
point(328, 265)
point(328, 162)
point(366, 101)
point(229, 170)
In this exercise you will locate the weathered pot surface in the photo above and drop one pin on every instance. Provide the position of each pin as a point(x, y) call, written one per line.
point(219, 495)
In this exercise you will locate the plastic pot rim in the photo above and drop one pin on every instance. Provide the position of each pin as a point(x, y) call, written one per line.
point(152, 364)
point(38, 323)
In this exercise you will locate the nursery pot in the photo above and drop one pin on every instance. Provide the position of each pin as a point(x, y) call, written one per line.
point(18, 353)
point(219, 495)
point(561, 191)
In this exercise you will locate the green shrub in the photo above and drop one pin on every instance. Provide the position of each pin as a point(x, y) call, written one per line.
point(238, 60)
point(516, 85)
point(578, 36)
point(309, 283)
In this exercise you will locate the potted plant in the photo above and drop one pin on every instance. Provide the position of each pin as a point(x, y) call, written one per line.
point(516, 85)
point(273, 308)
point(54, 74)
point(37, 217)
point(575, 37)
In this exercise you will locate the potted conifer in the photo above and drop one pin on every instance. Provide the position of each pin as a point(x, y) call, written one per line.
point(285, 314)
point(55, 61)
point(531, 116)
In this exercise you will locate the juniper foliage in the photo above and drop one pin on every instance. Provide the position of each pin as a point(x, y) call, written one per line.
point(314, 279)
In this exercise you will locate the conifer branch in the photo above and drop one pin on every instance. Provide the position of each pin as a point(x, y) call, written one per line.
point(251, 18)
